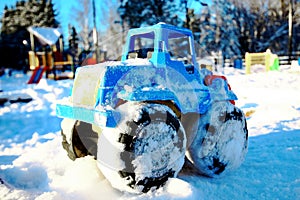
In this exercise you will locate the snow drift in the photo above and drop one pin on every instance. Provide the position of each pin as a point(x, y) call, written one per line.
point(33, 164)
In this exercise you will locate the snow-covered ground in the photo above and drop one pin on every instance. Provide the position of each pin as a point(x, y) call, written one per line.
point(33, 164)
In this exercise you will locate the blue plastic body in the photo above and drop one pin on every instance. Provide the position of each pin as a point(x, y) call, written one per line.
point(163, 68)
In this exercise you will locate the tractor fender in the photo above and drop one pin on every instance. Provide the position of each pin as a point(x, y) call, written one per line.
point(149, 94)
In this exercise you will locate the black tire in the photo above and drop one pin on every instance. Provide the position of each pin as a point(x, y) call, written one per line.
point(145, 149)
point(221, 142)
point(79, 139)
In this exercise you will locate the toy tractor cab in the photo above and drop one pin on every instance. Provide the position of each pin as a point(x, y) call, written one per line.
point(161, 44)
point(141, 116)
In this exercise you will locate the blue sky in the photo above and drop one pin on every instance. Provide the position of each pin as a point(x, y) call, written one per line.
point(64, 9)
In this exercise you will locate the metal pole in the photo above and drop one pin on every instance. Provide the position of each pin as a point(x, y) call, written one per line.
point(95, 34)
point(31, 41)
point(290, 44)
point(123, 36)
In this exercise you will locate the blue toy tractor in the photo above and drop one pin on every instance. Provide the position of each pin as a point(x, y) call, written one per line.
point(142, 116)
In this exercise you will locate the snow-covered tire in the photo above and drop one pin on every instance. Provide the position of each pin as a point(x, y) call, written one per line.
point(79, 139)
point(146, 148)
point(221, 142)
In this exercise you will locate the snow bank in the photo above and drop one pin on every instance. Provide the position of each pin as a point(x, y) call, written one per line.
point(45, 172)
point(271, 97)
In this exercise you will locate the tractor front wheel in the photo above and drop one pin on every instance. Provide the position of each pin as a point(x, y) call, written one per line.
point(146, 148)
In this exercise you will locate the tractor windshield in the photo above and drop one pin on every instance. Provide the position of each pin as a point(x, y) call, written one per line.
point(141, 45)
point(179, 47)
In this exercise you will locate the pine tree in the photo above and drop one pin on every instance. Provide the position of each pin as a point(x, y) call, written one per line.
point(25, 14)
point(205, 37)
point(5, 20)
point(50, 15)
point(137, 13)
point(226, 30)
point(73, 43)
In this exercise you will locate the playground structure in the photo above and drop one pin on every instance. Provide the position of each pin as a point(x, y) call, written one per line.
point(268, 59)
point(50, 61)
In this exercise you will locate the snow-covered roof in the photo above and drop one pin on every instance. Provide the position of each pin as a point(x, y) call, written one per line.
point(46, 35)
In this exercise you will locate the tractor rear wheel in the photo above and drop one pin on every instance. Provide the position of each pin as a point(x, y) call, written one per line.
point(146, 148)
point(221, 141)
point(79, 138)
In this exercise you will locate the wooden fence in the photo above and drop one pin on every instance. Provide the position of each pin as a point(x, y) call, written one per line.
point(286, 59)
point(268, 59)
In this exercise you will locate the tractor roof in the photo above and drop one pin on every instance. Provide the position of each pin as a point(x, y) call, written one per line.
point(158, 28)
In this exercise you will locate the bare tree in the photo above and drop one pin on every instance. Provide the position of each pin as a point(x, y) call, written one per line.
point(114, 36)
point(82, 15)
point(109, 33)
